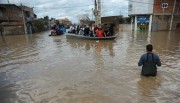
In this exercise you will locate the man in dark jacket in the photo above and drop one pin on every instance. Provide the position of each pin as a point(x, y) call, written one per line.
point(149, 61)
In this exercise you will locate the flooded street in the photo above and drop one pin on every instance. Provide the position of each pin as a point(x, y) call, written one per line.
point(42, 69)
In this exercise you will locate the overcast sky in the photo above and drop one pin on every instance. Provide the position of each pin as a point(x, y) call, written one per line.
point(72, 8)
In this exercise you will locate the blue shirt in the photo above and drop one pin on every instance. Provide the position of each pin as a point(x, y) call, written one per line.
point(149, 61)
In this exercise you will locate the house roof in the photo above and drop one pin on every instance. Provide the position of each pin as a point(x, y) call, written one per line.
point(9, 5)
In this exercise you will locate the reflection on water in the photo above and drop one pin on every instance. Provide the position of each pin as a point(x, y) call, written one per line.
point(148, 87)
point(39, 69)
point(97, 49)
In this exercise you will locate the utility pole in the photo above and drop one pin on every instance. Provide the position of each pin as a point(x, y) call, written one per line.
point(8, 1)
point(97, 12)
point(172, 16)
point(92, 13)
point(23, 19)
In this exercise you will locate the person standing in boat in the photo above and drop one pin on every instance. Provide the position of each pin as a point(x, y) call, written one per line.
point(100, 32)
point(77, 29)
point(111, 29)
point(95, 30)
point(149, 61)
point(106, 33)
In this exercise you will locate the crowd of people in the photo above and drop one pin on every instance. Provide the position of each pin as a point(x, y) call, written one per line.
point(93, 31)
point(57, 28)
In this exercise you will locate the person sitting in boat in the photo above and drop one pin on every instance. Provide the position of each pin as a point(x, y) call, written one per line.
point(81, 31)
point(54, 30)
point(100, 32)
point(91, 33)
point(86, 31)
point(95, 30)
point(72, 29)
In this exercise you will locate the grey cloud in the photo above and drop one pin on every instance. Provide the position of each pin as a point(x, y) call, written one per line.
point(72, 8)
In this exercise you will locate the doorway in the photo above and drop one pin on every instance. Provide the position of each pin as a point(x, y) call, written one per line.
point(178, 27)
point(143, 26)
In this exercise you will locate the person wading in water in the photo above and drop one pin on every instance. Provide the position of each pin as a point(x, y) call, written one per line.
point(149, 61)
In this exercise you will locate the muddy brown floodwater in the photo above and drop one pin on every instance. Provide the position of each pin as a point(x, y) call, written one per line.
point(42, 69)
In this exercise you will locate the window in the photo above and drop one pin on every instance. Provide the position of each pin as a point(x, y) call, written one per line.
point(164, 5)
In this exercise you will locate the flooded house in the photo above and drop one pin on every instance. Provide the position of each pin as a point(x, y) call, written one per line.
point(154, 15)
point(14, 18)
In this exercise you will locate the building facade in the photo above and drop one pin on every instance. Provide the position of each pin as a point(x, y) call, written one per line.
point(153, 15)
point(16, 19)
point(10, 13)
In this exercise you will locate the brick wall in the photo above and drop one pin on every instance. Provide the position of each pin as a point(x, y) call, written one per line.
point(158, 8)
point(10, 13)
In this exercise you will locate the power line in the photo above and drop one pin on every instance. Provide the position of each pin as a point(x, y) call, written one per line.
point(104, 9)
point(65, 7)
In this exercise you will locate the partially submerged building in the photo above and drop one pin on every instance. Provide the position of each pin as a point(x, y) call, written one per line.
point(153, 15)
point(13, 18)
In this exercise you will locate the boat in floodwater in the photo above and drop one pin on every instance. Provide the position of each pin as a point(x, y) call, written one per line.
point(74, 36)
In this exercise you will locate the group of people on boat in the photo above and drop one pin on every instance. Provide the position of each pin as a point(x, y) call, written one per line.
point(57, 29)
point(93, 31)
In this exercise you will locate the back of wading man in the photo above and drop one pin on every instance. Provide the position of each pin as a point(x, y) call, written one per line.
point(149, 62)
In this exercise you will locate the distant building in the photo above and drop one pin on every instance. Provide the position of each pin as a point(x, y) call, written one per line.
point(66, 22)
point(11, 17)
point(29, 17)
point(154, 15)
point(10, 13)
point(111, 19)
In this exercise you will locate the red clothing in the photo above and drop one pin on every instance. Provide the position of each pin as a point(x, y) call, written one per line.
point(100, 33)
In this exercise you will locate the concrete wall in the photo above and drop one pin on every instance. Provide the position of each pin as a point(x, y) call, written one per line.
point(162, 22)
point(13, 30)
point(29, 10)
point(175, 21)
point(140, 7)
